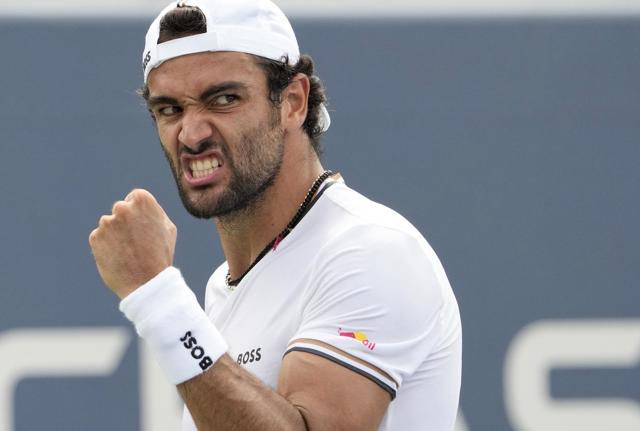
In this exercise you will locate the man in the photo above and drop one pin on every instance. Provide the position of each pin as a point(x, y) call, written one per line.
point(331, 312)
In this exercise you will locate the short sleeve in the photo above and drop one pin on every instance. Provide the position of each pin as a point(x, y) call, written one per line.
point(376, 294)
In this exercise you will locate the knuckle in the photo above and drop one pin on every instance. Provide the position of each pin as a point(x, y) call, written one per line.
point(132, 195)
point(144, 195)
point(119, 207)
point(93, 236)
point(104, 221)
point(136, 193)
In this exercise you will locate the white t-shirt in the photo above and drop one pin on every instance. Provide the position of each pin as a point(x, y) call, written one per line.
point(357, 276)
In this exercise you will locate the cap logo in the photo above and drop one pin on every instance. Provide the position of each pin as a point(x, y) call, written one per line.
point(145, 62)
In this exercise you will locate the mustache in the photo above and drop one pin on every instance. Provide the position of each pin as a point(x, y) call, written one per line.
point(202, 147)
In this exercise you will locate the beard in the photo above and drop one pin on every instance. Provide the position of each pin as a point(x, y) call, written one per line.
point(256, 165)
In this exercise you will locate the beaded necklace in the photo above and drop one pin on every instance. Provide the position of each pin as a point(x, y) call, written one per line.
point(302, 209)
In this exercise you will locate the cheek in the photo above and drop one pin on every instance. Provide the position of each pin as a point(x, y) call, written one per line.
point(169, 151)
point(168, 139)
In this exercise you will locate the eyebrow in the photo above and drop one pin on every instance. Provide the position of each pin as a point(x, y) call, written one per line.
point(221, 88)
point(204, 96)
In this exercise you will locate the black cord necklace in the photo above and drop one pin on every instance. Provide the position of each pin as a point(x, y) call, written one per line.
point(302, 209)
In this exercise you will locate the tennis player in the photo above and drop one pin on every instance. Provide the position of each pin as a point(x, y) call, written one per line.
point(331, 312)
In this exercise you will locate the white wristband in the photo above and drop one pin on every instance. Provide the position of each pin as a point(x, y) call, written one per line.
point(167, 316)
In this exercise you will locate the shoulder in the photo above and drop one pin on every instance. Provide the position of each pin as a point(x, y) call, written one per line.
point(375, 279)
point(363, 210)
point(363, 228)
point(376, 255)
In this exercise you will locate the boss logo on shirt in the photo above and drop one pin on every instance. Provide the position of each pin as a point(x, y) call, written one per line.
point(197, 352)
point(252, 355)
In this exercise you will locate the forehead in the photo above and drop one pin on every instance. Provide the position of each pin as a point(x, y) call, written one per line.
point(191, 73)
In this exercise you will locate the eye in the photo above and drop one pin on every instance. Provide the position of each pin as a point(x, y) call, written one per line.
point(167, 111)
point(225, 99)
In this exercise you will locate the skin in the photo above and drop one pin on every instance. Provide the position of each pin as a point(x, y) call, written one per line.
point(137, 241)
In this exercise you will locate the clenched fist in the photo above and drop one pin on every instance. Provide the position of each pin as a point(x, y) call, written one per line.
point(133, 244)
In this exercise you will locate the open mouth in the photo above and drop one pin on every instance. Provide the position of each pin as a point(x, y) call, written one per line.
point(204, 167)
point(201, 170)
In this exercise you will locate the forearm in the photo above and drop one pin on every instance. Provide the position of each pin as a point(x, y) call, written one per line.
point(227, 397)
point(185, 342)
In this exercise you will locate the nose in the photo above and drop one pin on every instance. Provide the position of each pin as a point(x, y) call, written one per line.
point(195, 129)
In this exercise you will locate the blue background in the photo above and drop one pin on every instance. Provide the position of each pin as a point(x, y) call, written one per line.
point(513, 145)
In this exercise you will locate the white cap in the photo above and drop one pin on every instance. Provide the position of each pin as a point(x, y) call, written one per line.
point(255, 27)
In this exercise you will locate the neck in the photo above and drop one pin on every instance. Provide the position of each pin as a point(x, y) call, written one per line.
point(245, 234)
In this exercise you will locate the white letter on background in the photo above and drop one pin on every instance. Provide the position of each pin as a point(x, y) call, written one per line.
point(545, 345)
point(160, 404)
point(461, 424)
point(28, 353)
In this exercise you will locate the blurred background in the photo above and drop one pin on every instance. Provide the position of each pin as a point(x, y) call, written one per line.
point(508, 132)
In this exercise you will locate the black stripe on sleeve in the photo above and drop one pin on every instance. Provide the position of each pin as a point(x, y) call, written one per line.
point(377, 381)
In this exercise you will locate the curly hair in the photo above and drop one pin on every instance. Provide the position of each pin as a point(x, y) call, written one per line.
point(189, 20)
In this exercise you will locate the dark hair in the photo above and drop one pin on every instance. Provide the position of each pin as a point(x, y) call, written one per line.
point(189, 20)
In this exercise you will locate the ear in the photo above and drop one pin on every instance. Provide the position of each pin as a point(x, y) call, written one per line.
point(295, 100)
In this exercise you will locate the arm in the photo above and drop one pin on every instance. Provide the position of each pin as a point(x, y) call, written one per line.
point(330, 396)
point(313, 394)
point(227, 397)
point(136, 243)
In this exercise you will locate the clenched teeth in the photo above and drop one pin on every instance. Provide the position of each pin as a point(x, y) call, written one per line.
point(204, 167)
